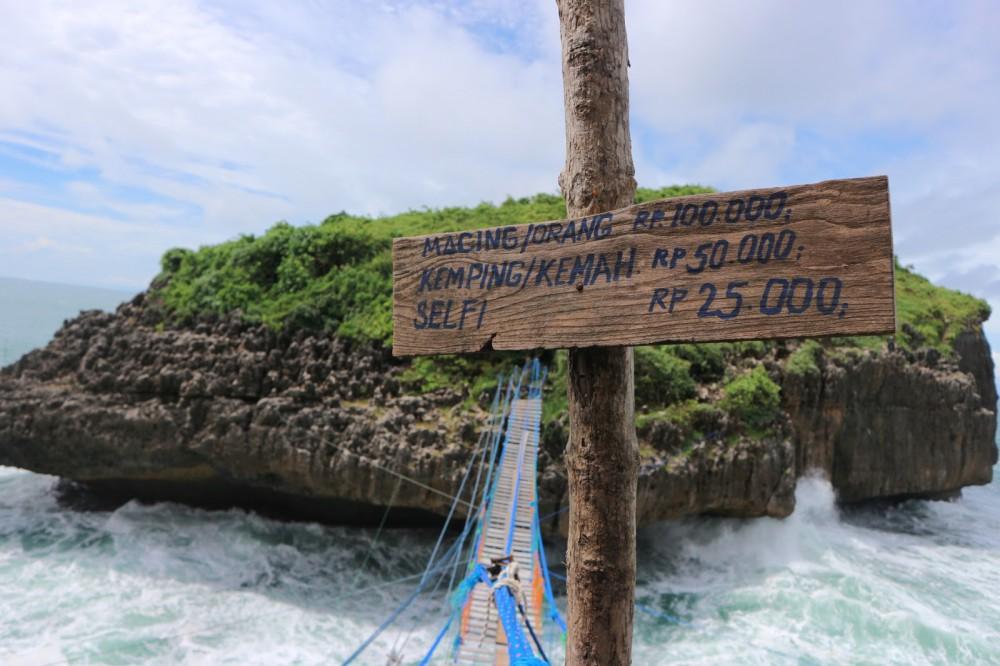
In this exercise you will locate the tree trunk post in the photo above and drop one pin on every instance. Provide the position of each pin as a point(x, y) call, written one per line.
point(602, 457)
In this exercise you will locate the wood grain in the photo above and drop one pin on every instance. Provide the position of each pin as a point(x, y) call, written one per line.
point(602, 451)
point(842, 231)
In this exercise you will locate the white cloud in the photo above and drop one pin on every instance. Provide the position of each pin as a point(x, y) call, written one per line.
point(170, 97)
point(42, 242)
point(186, 122)
point(847, 65)
point(750, 93)
point(233, 120)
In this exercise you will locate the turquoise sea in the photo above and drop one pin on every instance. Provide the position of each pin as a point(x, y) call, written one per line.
point(916, 583)
point(31, 311)
point(167, 584)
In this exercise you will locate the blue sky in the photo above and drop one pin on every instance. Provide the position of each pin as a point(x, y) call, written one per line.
point(129, 128)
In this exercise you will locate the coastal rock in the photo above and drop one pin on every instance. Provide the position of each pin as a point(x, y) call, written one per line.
point(221, 412)
point(881, 426)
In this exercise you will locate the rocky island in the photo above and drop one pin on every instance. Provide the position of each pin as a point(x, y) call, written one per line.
point(258, 373)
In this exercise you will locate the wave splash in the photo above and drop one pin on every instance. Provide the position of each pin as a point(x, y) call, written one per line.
point(902, 584)
point(167, 584)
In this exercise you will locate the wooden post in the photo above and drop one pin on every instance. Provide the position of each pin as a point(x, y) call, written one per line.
point(618, 274)
point(602, 456)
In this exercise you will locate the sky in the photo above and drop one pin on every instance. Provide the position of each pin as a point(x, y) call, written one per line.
point(127, 128)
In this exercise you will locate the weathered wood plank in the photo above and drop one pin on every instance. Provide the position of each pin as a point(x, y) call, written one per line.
point(807, 260)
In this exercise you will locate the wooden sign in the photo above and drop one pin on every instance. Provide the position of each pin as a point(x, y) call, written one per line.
point(808, 260)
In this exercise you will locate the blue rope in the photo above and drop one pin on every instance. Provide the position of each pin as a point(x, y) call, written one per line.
point(506, 445)
point(451, 511)
point(491, 481)
point(466, 528)
point(673, 619)
point(518, 649)
point(465, 588)
point(447, 521)
point(434, 646)
point(396, 613)
point(549, 596)
point(517, 492)
point(520, 462)
point(453, 551)
point(539, 545)
point(553, 514)
point(470, 518)
point(460, 541)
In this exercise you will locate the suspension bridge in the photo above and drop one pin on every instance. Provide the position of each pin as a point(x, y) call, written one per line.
point(501, 608)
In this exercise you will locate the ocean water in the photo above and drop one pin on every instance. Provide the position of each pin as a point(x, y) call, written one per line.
point(917, 583)
point(167, 584)
point(30, 311)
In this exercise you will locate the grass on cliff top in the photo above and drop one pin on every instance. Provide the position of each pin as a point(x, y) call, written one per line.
point(928, 315)
point(334, 277)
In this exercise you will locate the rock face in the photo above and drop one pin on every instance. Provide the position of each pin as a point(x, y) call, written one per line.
point(891, 426)
point(225, 413)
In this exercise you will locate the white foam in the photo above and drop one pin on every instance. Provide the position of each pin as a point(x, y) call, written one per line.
point(165, 584)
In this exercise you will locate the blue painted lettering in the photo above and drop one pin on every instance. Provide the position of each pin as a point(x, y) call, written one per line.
point(602, 268)
point(562, 270)
point(543, 272)
point(678, 296)
point(514, 275)
point(425, 280)
point(661, 258)
point(467, 307)
point(527, 237)
point(436, 311)
point(679, 253)
point(640, 220)
point(420, 322)
point(657, 299)
point(432, 244)
point(581, 268)
point(621, 265)
point(447, 313)
point(569, 232)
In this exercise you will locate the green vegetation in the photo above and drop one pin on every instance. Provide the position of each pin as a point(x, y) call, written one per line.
point(926, 316)
point(661, 377)
point(336, 277)
point(331, 277)
point(932, 316)
point(689, 415)
point(555, 403)
point(477, 372)
point(804, 361)
point(753, 399)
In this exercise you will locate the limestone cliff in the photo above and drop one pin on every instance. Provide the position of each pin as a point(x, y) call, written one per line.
point(222, 412)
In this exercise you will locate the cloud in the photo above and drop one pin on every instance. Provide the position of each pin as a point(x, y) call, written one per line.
point(740, 94)
point(173, 99)
point(846, 66)
point(39, 241)
point(128, 128)
point(225, 119)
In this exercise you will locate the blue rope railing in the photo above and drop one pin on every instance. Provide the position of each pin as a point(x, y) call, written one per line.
point(532, 374)
point(451, 556)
